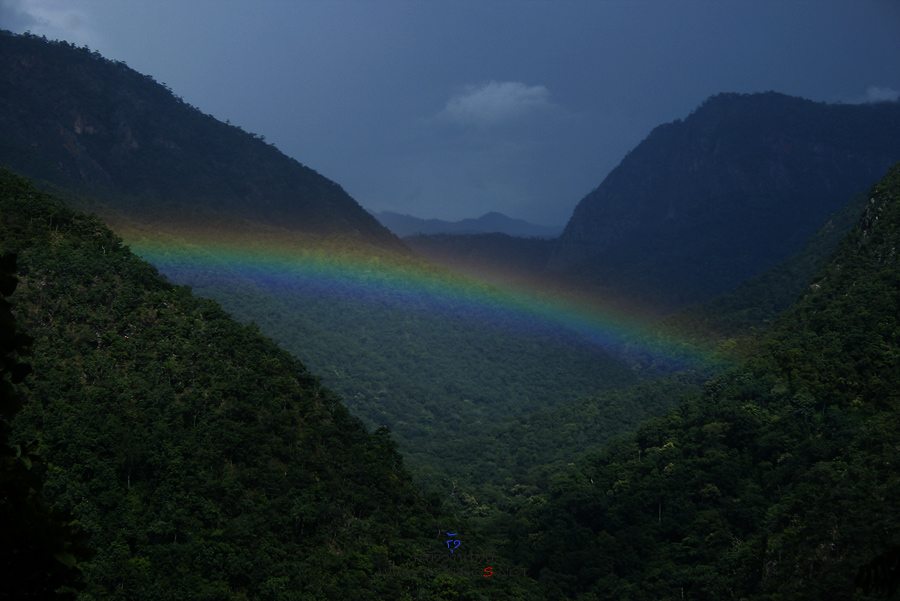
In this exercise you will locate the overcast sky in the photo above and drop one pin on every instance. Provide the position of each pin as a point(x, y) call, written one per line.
point(451, 109)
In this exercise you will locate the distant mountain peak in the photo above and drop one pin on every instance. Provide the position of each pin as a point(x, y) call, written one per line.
point(489, 223)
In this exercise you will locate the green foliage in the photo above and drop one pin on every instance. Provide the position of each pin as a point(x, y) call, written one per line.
point(881, 574)
point(201, 460)
point(488, 475)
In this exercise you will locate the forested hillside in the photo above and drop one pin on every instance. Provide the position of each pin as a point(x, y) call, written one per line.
point(485, 475)
point(778, 481)
point(733, 317)
point(200, 460)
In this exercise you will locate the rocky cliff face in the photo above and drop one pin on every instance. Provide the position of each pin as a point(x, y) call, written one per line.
point(736, 187)
point(77, 120)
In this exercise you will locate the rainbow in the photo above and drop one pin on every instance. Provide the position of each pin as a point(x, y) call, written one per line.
point(286, 261)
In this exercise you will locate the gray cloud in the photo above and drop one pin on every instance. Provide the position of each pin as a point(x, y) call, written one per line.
point(496, 102)
point(878, 94)
point(873, 94)
point(54, 19)
point(15, 17)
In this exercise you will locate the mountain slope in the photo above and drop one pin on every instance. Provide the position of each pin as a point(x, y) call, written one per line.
point(755, 303)
point(703, 204)
point(202, 461)
point(94, 126)
point(778, 481)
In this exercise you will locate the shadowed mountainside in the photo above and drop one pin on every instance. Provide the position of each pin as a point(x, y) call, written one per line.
point(94, 126)
point(738, 186)
point(700, 205)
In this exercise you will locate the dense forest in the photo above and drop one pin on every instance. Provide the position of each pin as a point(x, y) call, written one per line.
point(178, 437)
point(200, 460)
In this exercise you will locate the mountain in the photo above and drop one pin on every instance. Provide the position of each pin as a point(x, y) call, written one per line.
point(738, 186)
point(493, 222)
point(778, 480)
point(200, 460)
point(96, 127)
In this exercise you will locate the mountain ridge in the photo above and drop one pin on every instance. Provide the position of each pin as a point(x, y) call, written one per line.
point(489, 223)
point(699, 206)
point(94, 126)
